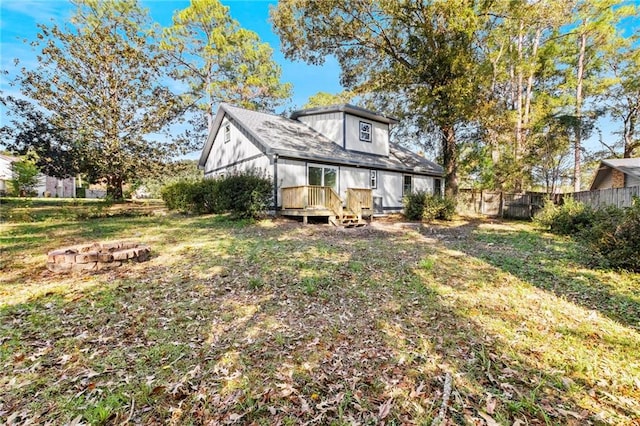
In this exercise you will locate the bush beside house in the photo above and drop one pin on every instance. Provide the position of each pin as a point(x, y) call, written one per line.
point(421, 205)
point(245, 195)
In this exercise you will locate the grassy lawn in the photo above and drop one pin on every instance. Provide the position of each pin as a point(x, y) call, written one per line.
point(279, 323)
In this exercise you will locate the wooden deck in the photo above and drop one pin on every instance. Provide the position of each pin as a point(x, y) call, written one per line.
point(322, 201)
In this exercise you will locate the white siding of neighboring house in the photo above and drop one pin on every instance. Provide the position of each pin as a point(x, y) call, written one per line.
point(379, 144)
point(5, 174)
point(330, 125)
point(237, 155)
point(50, 186)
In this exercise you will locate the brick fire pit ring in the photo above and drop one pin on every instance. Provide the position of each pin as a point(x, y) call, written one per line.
point(96, 256)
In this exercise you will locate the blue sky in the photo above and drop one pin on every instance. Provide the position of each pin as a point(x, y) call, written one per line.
point(18, 19)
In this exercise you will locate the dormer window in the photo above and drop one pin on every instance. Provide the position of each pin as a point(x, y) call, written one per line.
point(365, 131)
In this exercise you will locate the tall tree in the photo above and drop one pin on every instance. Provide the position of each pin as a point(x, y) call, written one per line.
point(221, 62)
point(519, 49)
point(593, 32)
point(101, 78)
point(29, 130)
point(422, 55)
point(325, 99)
point(624, 99)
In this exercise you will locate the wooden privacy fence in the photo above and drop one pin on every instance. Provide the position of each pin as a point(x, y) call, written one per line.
point(500, 204)
point(620, 197)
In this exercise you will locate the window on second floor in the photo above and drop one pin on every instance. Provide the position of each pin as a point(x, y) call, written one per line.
point(365, 131)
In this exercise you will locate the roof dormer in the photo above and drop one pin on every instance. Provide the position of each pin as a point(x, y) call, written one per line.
point(353, 128)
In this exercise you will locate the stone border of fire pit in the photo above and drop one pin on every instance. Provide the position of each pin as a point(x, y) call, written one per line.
point(96, 256)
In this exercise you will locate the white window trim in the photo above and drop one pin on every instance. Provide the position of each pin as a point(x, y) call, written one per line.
point(324, 166)
point(370, 132)
point(410, 189)
point(227, 133)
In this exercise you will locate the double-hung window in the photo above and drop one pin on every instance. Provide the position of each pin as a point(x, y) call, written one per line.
point(407, 185)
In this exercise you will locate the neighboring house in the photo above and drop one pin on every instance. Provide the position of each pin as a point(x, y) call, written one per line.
point(617, 173)
point(5, 172)
point(47, 185)
point(332, 161)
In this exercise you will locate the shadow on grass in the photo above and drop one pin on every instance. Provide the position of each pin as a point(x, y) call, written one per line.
point(557, 265)
point(304, 324)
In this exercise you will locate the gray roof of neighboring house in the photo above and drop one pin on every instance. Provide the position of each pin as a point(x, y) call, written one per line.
point(275, 134)
point(628, 166)
point(9, 158)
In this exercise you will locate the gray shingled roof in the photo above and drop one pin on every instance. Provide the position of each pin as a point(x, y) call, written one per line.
point(629, 166)
point(275, 134)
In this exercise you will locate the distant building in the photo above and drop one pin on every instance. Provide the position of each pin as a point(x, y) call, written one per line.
point(617, 173)
point(47, 185)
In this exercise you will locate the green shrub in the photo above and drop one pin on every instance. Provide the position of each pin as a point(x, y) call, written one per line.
point(245, 195)
point(614, 240)
point(414, 204)
point(570, 218)
point(610, 234)
point(421, 205)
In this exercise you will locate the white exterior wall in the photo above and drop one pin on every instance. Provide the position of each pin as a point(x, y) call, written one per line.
point(237, 155)
point(379, 144)
point(422, 183)
point(330, 125)
point(351, 177)
point(390, 189)
point(291, 173)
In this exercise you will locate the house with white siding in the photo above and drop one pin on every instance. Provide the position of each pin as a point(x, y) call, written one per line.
point(47, 185)
point(334, 161)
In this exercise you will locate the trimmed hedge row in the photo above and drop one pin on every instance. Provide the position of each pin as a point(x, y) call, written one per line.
point(611, 234)
point(421, 205)
point(245, 195)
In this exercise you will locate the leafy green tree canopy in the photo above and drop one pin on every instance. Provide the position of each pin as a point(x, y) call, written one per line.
point(29, 130)
point(421, 55)
point(221, 62)
point(101, 78)
point(25, 175)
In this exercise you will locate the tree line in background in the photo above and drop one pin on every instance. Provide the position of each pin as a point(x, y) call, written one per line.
point(505, 92)
point(110, 85)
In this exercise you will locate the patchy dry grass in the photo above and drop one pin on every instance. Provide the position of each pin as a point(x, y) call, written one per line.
point(276, 323)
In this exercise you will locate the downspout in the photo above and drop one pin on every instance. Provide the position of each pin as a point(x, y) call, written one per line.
point(275, 184)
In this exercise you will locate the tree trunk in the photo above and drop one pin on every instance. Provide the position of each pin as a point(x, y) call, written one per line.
point(578, 142)
point(450, 160)
point(114, 188)
point(630, 144)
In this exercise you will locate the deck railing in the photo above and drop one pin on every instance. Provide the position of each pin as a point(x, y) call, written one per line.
point(309, 197)
point(359, 199)
point(324, 197)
